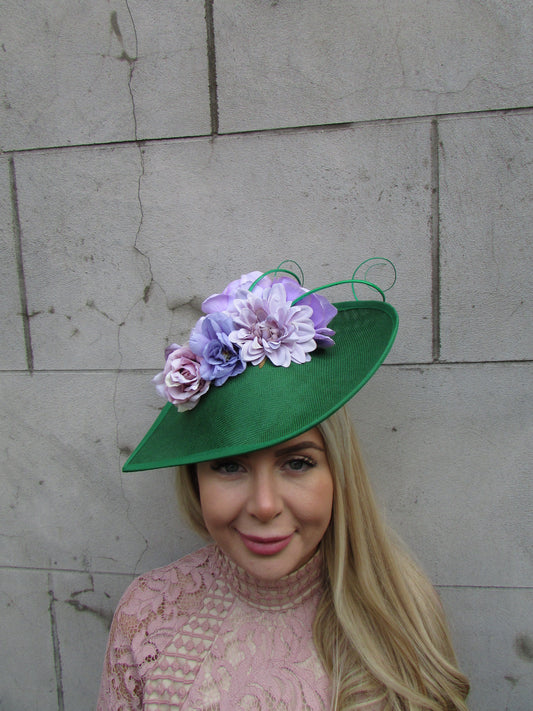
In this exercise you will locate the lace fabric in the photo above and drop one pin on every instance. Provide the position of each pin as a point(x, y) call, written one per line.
point(203, 634)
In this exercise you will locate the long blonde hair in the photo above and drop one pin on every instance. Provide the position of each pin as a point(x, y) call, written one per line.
point(379, 629)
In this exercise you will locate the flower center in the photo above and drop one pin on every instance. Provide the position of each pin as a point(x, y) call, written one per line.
point(266, 331)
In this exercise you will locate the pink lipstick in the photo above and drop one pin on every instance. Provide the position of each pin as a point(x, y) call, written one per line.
point(265, 545)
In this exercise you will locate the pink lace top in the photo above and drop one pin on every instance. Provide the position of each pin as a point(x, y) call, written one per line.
point(203, 634)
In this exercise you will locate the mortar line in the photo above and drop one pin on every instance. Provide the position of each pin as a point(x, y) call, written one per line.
point(17, 238)
point(211, 66)
point(435, 241)
point(360, 123)
point(56, 647)
point(148, 372)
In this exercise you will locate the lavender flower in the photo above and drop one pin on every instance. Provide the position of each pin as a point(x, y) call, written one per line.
point(224, 301)
point(267, 326)
point(323, 312)
point(219, 357)
point(180, 382)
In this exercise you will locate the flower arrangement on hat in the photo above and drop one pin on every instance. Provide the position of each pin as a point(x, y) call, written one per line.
point(255, 318)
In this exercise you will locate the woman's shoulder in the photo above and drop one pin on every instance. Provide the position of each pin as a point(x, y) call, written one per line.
point(181, 585)
point(149, 615)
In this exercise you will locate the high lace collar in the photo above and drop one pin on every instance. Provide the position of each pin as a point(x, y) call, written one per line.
point(286, 593)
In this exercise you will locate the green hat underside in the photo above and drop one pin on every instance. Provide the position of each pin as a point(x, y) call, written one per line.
point(268, 404)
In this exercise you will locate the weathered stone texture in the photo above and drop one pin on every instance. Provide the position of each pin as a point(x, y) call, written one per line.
point(448, 449)
point(486, 202)
point(84, 605)
point(493, 635)
point(65, 503)
point(98, 71)
point(308, 62)
point(27, 650)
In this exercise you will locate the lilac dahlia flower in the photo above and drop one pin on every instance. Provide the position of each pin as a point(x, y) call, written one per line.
point(267, 326)
point(209, 340)
point(180, 382)
point(323, 312)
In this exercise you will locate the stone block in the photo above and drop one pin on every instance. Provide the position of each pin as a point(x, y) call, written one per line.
point(29, 678)
point(100, 71)
point(448, 449)
point(121, 248)
point(312, 63)
point(12, 348)
point(84, 604)
point(493, 634)
point(87, 282)
point(486, 240)
point(65, 503)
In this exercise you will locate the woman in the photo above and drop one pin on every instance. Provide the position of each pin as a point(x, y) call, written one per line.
point(304, 600)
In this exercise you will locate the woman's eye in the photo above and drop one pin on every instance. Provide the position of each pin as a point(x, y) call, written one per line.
point(300, 464)
point(226, 467)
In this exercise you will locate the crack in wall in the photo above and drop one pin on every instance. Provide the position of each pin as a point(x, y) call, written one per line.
point(80, 592)
point(17, 238)
point(435, 241)
point(91, 305)
point(103, 615)
point(132, 63)
point(150, 281)
point(56, 646)
point(211, 66)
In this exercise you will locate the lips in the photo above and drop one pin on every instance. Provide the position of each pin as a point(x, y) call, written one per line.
point(263, 545)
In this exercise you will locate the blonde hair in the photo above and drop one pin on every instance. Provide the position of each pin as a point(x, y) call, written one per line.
point(379, 629)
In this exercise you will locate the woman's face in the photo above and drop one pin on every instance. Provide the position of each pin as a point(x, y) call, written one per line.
point(269, 509)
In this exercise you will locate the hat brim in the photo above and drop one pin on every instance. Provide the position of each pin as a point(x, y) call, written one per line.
point(268, 404)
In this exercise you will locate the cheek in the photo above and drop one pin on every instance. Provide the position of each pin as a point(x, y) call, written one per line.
point(218, 503)
point(325, 504)
point(316, 508)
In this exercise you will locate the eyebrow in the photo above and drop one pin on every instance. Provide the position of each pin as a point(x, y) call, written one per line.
point(296, 447)
point(279, 452)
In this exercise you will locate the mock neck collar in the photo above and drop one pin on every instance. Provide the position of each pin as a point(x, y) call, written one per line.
point(286, 593)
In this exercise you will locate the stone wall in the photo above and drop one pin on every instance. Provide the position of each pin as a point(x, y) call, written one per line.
point(151, 152)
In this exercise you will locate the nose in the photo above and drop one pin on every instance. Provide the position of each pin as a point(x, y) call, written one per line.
point(264, 500)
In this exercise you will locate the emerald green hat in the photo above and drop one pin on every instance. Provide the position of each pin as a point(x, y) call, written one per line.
point(268, 361)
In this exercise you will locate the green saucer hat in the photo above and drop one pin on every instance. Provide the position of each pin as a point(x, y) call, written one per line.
point(267, 362)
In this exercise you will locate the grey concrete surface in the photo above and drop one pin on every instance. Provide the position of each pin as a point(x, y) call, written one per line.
point(310, 62)
point(486, 215)
point(491, 628)
point(446, 475)
point(99, 71)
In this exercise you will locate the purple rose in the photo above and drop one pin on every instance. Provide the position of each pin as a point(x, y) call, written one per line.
point(209, 340)
point(267, 326)
point(180, 382)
